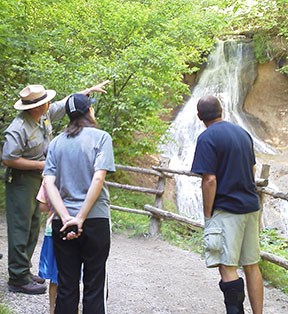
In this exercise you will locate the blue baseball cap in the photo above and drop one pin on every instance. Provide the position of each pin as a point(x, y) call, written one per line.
point(78, 105)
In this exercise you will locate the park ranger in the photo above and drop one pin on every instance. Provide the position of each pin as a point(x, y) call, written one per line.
point(24, 151)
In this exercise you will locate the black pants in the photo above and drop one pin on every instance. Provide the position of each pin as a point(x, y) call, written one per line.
point(91, 249)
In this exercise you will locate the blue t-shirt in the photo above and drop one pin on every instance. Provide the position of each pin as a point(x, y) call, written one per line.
point(73, 161)
point(226, 150)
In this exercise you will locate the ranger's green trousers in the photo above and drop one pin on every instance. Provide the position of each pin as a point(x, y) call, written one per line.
point(23, 222)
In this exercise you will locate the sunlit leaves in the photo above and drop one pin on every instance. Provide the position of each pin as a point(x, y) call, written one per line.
point(143, 47)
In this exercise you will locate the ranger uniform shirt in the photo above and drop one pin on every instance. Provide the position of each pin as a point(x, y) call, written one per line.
point(28, 139)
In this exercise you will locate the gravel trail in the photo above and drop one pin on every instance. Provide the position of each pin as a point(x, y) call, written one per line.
point(146, 276)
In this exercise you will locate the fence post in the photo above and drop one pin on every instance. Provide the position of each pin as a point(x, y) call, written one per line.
point(263, 175)
point(155, 222)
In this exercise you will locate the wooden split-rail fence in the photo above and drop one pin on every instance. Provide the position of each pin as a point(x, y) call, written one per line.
point(156, 212)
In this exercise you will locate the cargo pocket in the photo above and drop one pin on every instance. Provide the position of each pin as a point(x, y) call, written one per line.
point(213, 239)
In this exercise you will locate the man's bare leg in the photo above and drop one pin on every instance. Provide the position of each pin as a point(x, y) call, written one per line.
point(254, 287)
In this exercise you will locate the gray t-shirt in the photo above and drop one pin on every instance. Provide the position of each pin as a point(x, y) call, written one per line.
point(28, 139)
point(73, 161)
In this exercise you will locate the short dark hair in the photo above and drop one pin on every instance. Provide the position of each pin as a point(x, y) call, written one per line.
point(209, 108)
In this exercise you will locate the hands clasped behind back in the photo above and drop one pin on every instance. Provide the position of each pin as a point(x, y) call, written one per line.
point(72, 228)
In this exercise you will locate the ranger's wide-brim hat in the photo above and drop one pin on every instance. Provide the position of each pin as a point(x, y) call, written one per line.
point(34, 96)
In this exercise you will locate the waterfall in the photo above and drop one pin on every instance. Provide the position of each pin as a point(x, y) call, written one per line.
point(229, 74)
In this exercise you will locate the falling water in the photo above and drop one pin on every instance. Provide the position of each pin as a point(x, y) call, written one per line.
point(230, 73)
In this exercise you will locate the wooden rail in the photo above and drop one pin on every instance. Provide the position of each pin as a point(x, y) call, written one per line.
point(274, 259)
point(171, 216)
point(283, 196)
point(157, 213)
point(134, 188)
point(163, 214)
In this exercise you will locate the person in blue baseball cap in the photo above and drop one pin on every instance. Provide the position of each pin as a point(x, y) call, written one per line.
point(74, 176)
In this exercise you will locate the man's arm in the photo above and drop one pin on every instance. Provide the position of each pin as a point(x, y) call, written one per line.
point(57, 109)
point(25, 164)
point(254, 170)
point(99, 88)
point(209, 185)
point(95, 89)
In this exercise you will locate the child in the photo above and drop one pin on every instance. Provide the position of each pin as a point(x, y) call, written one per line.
point(47, 263)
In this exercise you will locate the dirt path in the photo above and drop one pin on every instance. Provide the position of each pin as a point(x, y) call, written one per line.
point(146, 276)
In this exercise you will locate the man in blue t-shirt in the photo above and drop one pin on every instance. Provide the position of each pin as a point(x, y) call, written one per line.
point(224, 156)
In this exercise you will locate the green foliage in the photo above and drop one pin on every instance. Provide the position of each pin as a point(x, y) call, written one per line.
point(272, 242)
point(4, 309)
point(143, 47)
point(265, 21)
point(130, 224)
point(274, 275)
point(67, 45)
point(262, 48)
point(130, 199)
point(133, 224)
point(284, 69)
point(183, 236)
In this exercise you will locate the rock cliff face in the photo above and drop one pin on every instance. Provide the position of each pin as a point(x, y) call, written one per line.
point(267, 104)
point(267, 101)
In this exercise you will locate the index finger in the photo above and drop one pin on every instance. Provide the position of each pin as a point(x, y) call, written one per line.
point(104, 83)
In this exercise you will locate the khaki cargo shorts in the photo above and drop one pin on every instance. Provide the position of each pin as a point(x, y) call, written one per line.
point(232, 240)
